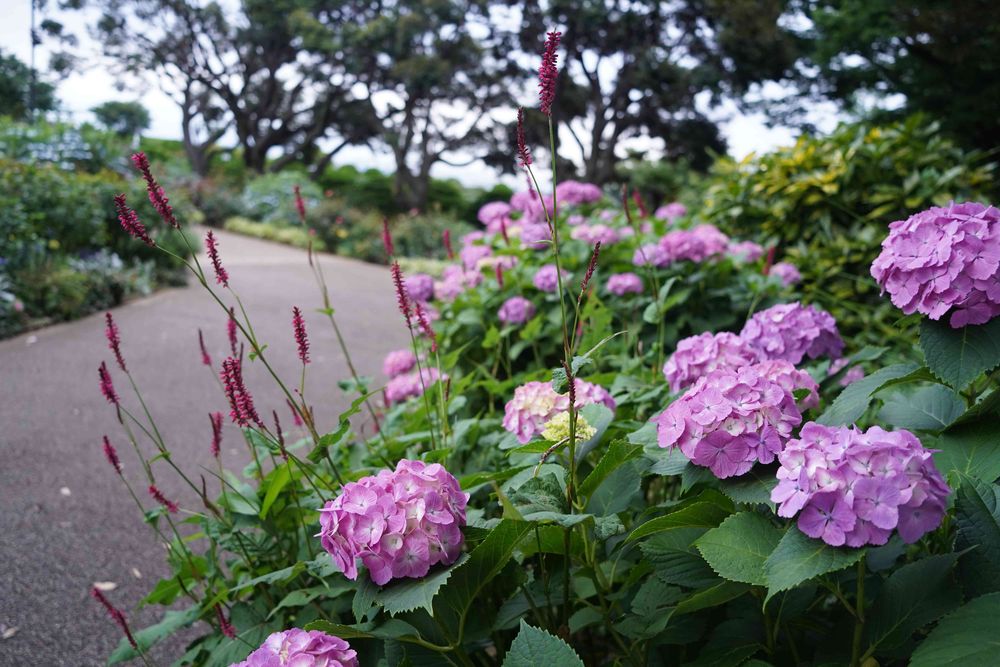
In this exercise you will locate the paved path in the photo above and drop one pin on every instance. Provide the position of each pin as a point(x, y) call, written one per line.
point(66, 521)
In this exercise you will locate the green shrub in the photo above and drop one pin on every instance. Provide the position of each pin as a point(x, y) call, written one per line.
point(826, 202)
point(295, 236)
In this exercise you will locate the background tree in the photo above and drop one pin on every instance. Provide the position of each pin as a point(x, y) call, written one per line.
point(943, 57)
point(124, 118)
point(15, 85)
point(641, 68)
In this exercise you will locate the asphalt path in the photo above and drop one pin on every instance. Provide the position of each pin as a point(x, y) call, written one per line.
point(66, 520)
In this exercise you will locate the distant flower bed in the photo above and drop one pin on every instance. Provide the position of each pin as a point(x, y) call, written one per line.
point(632, 444)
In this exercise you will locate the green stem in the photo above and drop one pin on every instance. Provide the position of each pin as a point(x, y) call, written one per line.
point(859, 621)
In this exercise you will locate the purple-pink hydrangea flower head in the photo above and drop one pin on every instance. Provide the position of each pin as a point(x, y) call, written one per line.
point(398, 362)
point(516, 310)
point(536, 236)
point(786, 272)
point(575, 192)
point(535, 403)
point(412, 384)
point(420, 287)
point(695, 245)
point(494, 210)
point(598, 233)
point(399, 523)
point(621, 284)
point(546, 278)
point(855, 487)
point(455, 280)
point(792, 332)
point(302, 648)
point(671, 211)
point(746, 251)
point(944, 260)
point(730, 419)
point(697, 356)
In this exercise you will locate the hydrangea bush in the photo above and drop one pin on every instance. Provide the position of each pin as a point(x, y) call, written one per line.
point(639, 449)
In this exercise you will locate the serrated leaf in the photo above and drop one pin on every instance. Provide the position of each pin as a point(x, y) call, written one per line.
point(930, 408)
point(972, 449)
point(852, 402)
point(753, 488)
point(913, 596)
point(410, 594)
point(738, 548)
point(959, 356)
point(719, 594)
point(977, 517)
point(697, 514)
point(967, 637)
point(622, 487)
point(533, 647)
point(799, 558)
point(618, 453)
point(391, 629)
point(675, 560)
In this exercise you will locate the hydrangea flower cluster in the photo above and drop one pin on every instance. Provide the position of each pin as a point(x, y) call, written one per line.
point(746, 251)
point(730, 419)
point(557, 429)
point(399, 523)
point(791, 331)
point(536, 403)
point(472, 254)
point(546, 278)
point(575, 192)
point(454, 281)
point(516, 310)
point(536, 236)
point(398, 362)
point(944, 259)
point(412, 384)
point(671, 211)
point(301, 648)
point(853, 374)
point(696, 245)
point(596, 233)
point(787, 272)
point(493, 211)
point(625, 283)
point(699, 355)
point(530, 206)
point(855, 487)
point(420, 287)
point(651, 254)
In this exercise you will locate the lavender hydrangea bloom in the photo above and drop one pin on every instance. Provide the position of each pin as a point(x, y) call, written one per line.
point(532, 209)
point(420, 287)
point(536, 236)
point(454, 281)
point(730, 419)
point(301, 648)
point(575, 192)
point(624, 283)
point(547, 278)
point(855, 487)
point(786, 272)
point(746, 251)
point(651, 254)
point(472, 255)
point(595, 233)
point(696, 245)
point(697, 356)
point(412, 384)
point(494, 210)
point(516, 310)
point(944, 259)
point(853, 374)
point(532, 406)
point(791, 331)
point(399, 523)
point(588, 393)
point(671, 211)
point(398, 362)
point(575, 219)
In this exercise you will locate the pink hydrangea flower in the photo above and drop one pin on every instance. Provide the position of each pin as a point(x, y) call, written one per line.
point(786, 272)
point(530, 206)
point(695, 245)
point(588, 393)
point(625, 283)
point(855, 487)
point(301, 648)
point(516, 310)
point(746, 251)
point(854, 374)
point(412, 384)
point(398, 523)
point(575, 192)
point(944, 260)
point(420, 287)
point(791, 331)
point(454, 281)
point(592, 234)
point(398, 362)
point(493, 211)
point(671, 211)
point(651, 254)
point(536, 236)
point(730, 419)
point(535, 403)
point(546, 278)
point(697, 356)
point(575, 219)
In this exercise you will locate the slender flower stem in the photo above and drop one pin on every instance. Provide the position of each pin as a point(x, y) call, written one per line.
point(859, 615)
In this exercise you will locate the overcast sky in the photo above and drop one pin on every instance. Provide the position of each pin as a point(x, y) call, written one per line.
point(94, 85)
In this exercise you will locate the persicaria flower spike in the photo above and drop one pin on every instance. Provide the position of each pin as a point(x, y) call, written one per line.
point(107, 387)
point(300, 204)
point(498, 270)
point(212, 246)
point(401, 297)
point(156, 195)
point(296, 417)
point(301, 648)
point(158, 496)
point(590, 268)
point(114, 340)
point(425, 325)
point(215, 418)
point(242, 410)
point(523, 152)
point(390, 250)
point(129, 220)
point(205, 357)
point(225, 627)
point(116, 615)
point(112, 455)
point(446, 237)
point(548, 73)
point(301, 340)
point(231, 331)
point(855, 487)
